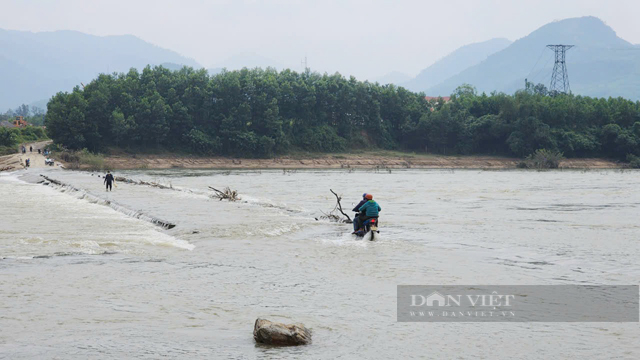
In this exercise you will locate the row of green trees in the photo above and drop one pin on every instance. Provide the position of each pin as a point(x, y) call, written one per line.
point(262, 113)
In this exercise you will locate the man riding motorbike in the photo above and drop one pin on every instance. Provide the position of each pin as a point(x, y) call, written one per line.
point(370, 209)
point(357, 220)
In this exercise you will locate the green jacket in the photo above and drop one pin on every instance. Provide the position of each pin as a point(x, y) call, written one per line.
point(370, 208)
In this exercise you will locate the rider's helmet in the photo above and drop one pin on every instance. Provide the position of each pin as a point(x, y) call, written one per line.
point(364, 195)
point(369, 196)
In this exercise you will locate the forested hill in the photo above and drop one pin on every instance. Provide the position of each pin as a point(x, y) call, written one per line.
point(454, 63)
point(601, 63)
point(262, 113)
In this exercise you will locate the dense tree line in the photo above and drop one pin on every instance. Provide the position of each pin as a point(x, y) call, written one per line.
point(264, 113)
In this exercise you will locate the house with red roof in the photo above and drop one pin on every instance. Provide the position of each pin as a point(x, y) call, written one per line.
point(446, 99)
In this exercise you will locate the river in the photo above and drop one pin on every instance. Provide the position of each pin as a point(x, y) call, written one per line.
point(82, 277)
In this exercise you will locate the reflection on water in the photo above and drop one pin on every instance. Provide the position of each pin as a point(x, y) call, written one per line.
point(81, 280)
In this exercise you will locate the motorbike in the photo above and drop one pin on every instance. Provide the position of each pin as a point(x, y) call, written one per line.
point(369, 229)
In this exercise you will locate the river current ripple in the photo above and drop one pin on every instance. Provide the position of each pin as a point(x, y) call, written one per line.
point(80, 279)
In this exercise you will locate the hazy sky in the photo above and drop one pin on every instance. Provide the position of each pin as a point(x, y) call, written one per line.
point(362, 38)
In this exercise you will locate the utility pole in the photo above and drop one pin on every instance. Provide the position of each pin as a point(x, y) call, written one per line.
point(304, 63)
point(560, 76)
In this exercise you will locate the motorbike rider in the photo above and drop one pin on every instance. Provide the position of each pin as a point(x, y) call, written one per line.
point(357, 221)
point(370, 209)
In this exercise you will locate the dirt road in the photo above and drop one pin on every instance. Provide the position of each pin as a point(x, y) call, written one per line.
point(18, 160)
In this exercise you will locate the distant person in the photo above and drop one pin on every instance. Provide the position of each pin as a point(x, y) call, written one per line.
point(28, 162)
point(357, 221)
point(30, 148)
point(38, 151)
point(371, 209)
point(109, 180)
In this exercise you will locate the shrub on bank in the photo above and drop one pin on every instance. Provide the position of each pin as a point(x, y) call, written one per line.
point(83, 159)
point(542, 159)
point(7, 150)
point(634, 161)
point(12, 137)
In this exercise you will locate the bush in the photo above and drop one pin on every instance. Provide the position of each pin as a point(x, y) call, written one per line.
point(90, 160)
point(83, 159)
point(69, 157)
point(634, 161)
point(542, 159)
point(31, 133)
point(11, 137)
point(7, 150)
point(56, 147)
point(8, 137)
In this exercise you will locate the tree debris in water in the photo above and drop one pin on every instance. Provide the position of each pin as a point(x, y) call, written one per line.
point(226, 194)
point(141, 182)
point(331, 216)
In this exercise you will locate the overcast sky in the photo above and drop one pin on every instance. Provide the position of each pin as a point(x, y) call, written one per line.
point(366, 38)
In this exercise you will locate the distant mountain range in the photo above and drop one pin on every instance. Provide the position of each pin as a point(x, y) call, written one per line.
point(601, 64)
point(454, 63)
point(34, 66)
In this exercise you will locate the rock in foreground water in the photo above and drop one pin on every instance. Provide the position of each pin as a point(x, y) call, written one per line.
point(267, 332)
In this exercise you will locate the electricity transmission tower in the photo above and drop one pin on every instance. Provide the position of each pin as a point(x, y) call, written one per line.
point(560, 77)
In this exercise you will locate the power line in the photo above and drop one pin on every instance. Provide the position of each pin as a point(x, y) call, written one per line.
point(534, 66)
point(537, 75)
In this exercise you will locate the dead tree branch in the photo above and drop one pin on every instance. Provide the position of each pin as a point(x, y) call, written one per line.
point(339, 208)
point(226, 194)
point(141, 182)
point(339, 205)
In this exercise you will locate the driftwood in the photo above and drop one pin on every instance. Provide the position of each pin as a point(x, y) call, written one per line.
point(339, 206)
point(226, 194)
point(154, 184)
point(141, 182)
point(267, 332)
point(331, 216)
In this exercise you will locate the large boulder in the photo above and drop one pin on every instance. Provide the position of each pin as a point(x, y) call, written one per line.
point(267, 332)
